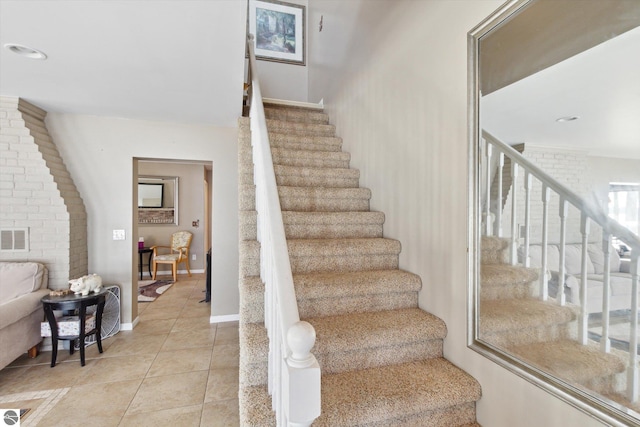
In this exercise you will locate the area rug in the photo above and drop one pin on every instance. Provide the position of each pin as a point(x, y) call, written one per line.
point(150, 290)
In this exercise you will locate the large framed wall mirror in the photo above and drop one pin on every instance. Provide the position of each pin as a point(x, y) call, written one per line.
point(554, 160)
point(158, 200)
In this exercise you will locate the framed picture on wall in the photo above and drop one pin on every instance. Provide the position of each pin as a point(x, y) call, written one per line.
point(279, 30)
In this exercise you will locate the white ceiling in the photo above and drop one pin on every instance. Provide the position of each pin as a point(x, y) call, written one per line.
point(179, 61)
point(600, 85)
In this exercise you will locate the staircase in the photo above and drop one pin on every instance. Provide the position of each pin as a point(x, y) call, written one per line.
point(540, 333)
point(381, 356)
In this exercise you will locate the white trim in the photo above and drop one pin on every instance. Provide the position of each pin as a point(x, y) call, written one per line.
point(319, 105)
point(130, 326)
point(225, 318)
point(168, 272)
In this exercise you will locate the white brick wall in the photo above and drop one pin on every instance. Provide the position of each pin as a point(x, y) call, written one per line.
point(568, 167)
point(37, 191)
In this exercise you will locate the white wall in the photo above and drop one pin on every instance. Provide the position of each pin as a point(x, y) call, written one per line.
point(99, 152)
point(285, 81)
point(401, 107)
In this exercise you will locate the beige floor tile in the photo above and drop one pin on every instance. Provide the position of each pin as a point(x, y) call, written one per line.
point(104, 405)
point(194, 308)
point(160, 313)
point(193, 324)
point(129, 343)
point(189, 339)
point(223, 413)
point(154, 327)
point(225, 356)
point(41, 377)
point(169, 391)
point(222, 384)
point(112, 369)
point(177, 361)
point(227, 335)
point(187, 416)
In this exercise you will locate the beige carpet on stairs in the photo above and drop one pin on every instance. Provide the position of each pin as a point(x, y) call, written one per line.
point(541, 333)
point(381, 356)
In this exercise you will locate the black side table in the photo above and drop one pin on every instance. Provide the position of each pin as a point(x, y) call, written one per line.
point(140, 264)
point(79, 303)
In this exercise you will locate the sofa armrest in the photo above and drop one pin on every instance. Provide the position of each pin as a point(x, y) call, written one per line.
point(625, 266)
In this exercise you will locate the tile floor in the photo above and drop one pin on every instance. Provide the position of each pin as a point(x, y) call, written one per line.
point(173, 369)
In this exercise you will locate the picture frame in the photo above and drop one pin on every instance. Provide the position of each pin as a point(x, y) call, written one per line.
point(279, 30)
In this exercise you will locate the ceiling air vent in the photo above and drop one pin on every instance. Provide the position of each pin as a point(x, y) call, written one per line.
point(14, 239)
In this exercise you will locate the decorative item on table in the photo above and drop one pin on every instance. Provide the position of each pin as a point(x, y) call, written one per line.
point(69, 326)
point(86, 284)
point(140, 243)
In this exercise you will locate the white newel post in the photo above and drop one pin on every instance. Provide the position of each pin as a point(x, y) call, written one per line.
point(301, 386)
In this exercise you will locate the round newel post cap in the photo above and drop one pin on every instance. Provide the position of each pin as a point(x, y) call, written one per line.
point(301, 338)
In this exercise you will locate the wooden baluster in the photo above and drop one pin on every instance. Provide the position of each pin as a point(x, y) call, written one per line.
point(544, 278)
point(605, 342)
point(514, 204)
point(632, 369)
point(487, 208)
point(561, 298)
point(583, 323)
point(527, 218)
point(498, 226)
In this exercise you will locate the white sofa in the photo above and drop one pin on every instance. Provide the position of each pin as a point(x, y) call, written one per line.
point(22, 285)
point(620, 282)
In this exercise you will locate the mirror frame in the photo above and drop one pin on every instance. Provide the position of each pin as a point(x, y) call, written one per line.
point(161, 180)
point(605, 411)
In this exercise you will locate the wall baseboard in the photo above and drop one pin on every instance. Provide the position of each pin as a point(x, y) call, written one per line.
point(224, 318)
point(294, 103)
point(129, 326)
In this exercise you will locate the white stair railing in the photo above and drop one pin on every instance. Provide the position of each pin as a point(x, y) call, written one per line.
point(588, 216)
point(294, 373)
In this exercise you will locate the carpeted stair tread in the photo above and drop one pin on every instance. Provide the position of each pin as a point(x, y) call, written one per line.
point(363, 397)
point(514, 314)
point(322, 199)
point(300, 128)
point(255, 407)
point(305, 142)
point(330, 294)
point(506, 275)
point(319, 225)
point(570, 360)
point(320, 177)
point(364, 340)
point(323, 285)
point(296, 115)
point(342, 247)
point(493, 250)
point(383, 328)
point(341, 255)
point(310, 158)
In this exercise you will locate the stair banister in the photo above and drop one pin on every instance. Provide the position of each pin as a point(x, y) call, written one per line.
point(589, 215)
point(294, 373)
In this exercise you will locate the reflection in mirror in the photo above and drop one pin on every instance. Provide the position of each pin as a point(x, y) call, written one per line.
point(555, 161)
point(158, 200)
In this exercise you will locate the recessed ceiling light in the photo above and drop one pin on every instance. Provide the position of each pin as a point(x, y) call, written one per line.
point(27, 52)
point(567, 119)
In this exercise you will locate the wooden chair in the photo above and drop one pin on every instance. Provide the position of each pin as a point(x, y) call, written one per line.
point(179, 252)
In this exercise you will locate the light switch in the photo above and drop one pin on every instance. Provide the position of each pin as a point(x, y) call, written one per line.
point(118, 235)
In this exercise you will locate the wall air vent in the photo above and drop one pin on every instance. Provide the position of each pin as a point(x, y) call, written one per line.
point(14, 240)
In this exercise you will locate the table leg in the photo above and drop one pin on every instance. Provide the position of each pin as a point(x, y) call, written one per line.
point(149, 265)
point(83, 323)
point(140, 263)
point(53, 325)
point(99, 311)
